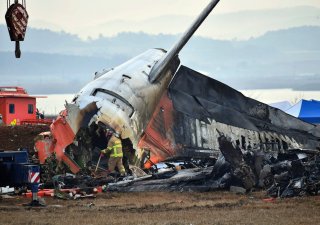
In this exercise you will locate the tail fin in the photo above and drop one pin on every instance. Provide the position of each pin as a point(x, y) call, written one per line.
point(162, 64)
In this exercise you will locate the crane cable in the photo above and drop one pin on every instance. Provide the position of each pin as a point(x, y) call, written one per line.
point(23, 2)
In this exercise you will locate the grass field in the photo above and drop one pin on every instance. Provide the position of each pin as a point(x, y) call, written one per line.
point(164, 208)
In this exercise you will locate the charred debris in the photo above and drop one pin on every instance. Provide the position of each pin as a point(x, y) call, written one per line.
point(289, 173)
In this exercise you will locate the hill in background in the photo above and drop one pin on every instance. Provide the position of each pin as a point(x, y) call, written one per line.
point(58, 62)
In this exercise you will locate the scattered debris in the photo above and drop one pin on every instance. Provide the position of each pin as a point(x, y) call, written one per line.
point(6, 196)
point(237, 190)
point(6, 190)
point(295, 172)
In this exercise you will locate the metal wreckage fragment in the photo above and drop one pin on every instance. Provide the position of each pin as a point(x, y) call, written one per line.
point(295, 172)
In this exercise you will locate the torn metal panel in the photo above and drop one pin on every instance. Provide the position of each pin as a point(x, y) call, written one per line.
point(180, 181)
point(240, 169)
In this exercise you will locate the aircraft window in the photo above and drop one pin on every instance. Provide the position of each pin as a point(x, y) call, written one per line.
point(115, 99)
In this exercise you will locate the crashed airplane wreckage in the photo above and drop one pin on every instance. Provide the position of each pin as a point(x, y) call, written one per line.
point(165, 110)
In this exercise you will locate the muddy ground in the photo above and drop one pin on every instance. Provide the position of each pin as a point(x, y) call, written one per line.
point(14, 137)
point(165, 208)
point(152, 207)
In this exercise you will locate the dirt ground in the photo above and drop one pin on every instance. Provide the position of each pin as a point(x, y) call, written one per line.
point(218, 208)
point(164, 208)
point(12, 138)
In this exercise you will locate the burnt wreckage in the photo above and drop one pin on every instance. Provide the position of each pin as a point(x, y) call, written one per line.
point(165, 110)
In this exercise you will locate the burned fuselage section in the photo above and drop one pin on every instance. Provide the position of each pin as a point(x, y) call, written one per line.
point(196, 110)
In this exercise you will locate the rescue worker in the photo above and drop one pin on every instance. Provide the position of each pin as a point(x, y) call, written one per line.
point(116, 154)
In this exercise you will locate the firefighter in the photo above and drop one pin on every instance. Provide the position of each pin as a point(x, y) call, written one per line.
point(116, 154)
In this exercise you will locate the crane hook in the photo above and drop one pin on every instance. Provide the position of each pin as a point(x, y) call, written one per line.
point(17, 20)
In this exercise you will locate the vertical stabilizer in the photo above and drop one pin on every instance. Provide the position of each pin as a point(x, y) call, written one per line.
point(162, 64)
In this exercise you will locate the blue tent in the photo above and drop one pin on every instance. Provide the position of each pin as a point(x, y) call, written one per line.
point(306, 110)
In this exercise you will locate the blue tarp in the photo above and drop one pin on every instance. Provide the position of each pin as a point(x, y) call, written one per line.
point(306, 110)
point(284, 105)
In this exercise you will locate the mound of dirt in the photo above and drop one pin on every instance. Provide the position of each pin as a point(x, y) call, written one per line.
point(15, 137)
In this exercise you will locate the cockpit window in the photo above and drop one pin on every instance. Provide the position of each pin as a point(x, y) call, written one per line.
point(114, 98)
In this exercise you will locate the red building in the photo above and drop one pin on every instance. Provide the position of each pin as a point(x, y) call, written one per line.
point(16, 105)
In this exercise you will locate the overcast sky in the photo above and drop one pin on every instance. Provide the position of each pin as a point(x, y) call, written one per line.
point(75, 15)
point(92, 17)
